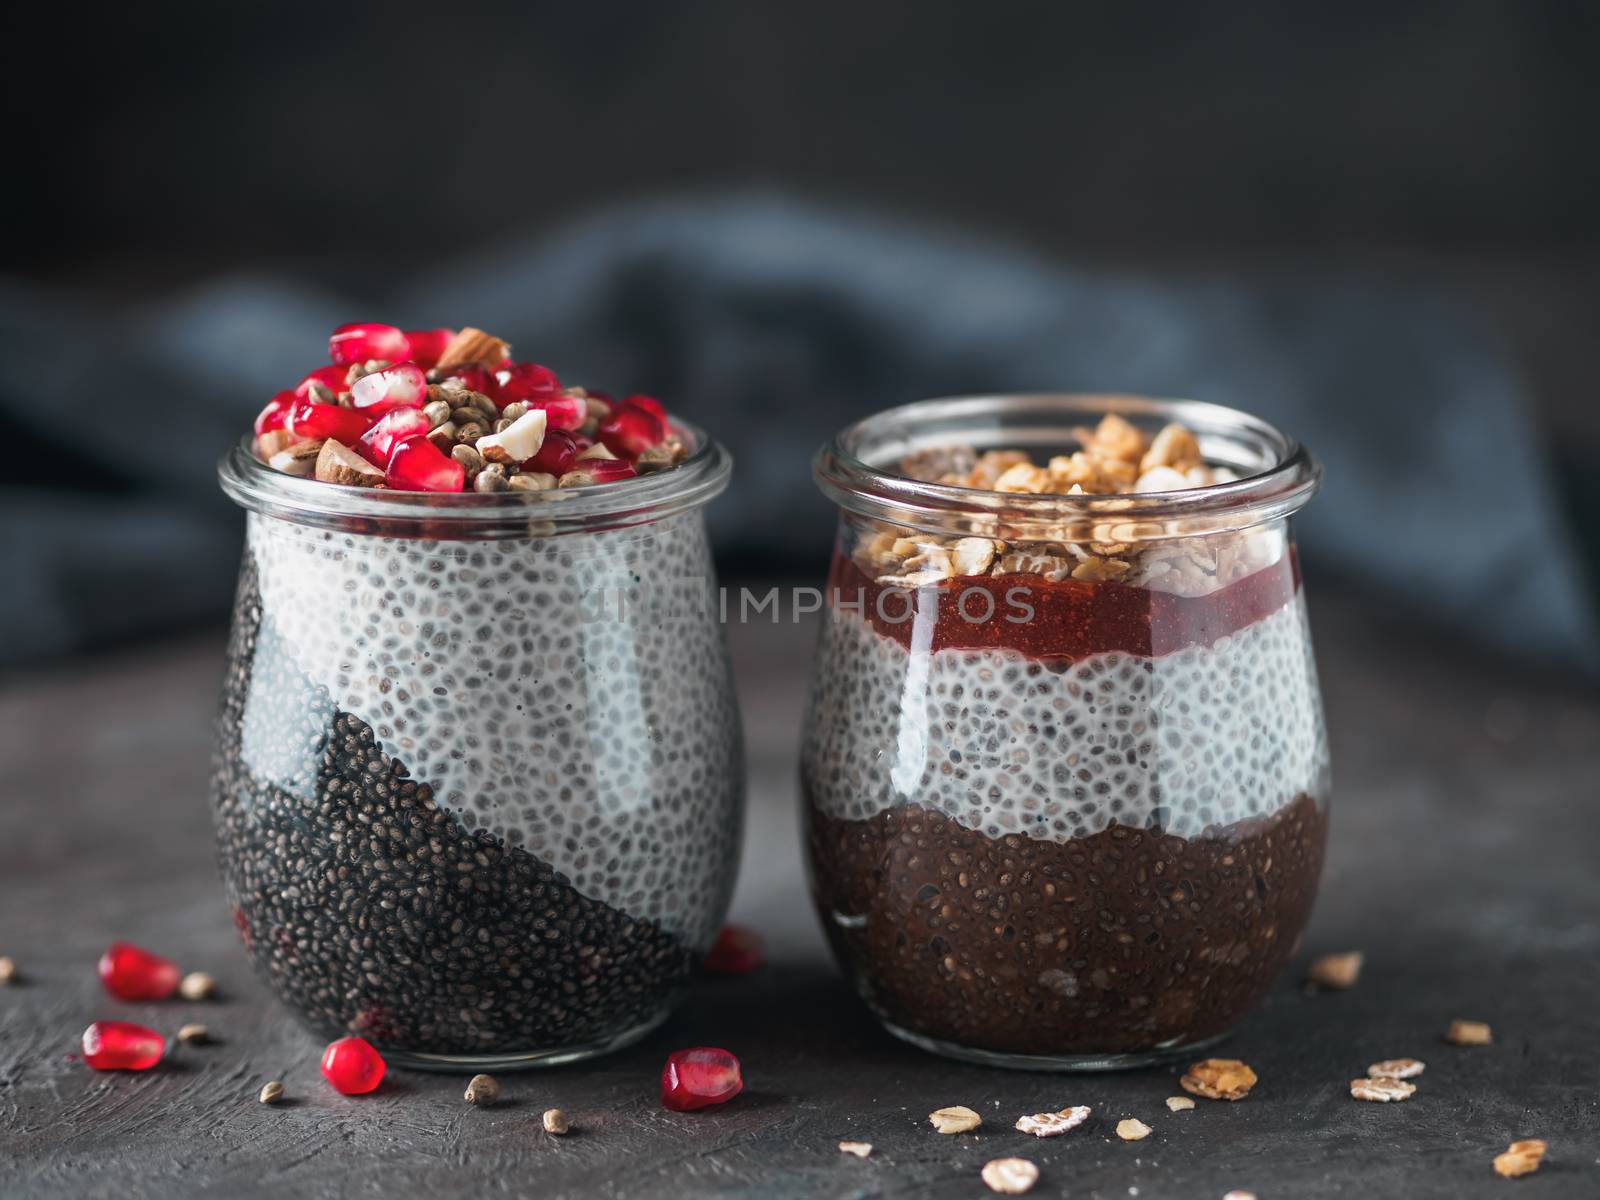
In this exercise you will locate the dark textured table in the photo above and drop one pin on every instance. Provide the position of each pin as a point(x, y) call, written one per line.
point(1464, 864)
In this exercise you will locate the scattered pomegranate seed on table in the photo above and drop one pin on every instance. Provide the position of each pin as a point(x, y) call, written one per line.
point(352, 1066)
point(699, 1078)
point(131, 973)
point(737, 951)
point(121, 1046)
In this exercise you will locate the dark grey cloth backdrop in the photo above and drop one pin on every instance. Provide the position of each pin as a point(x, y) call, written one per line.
point(773, 324)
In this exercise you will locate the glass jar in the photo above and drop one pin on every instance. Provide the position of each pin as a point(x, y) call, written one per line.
point(1066, 808)
point(479, 785)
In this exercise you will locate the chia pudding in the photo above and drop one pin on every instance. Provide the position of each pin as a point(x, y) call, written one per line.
point(479, 782)
point(1088, 829)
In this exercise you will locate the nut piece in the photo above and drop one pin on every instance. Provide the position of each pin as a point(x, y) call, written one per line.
point(1469, 1033)
point(1179, 1103)
point(337, 463)
point(482, 1090)
point(1010, 1176)
point(1133, 1130)
point(8, 971)
point(1381, 1090)
point(1521, 1158)
point(473, 347)
point(1053, 1124)
point(531, 481)
point(1219, 1079)
point(194, 1035)
point(956, 1119)
point(518, 442)
point(1396, 1068)
point(1336, 971)
point(271, 1093)
point(555, 1121)
point(859, 1149)
point(197, 985)
point(299, 459)
point(272, 441)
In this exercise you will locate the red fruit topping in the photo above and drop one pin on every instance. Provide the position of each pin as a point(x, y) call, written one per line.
point(308, 419)
point(699, 1078)
point(400, 386)
point(478, 379)
point(629, 432)
point(562, 412)
point(426, 345)
point(352, 1066)
point(605, 470)
point(275, 413)
point(121, 1046)
point(130, 973)
point(650, 404)
point(358, 343)
point(556, 455)
point(737, 952)
point(329, 377)
point(377, 444)
point(417, 465)
point(526, 381)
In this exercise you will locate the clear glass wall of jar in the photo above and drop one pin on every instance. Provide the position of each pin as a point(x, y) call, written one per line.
point(479, 785)
point(1066, 807)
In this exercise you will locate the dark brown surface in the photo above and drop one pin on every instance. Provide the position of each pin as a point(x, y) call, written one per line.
point(1117, 943)
point(1465, 838)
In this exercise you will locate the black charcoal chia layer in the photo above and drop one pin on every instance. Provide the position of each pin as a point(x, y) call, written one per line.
point(459, 816)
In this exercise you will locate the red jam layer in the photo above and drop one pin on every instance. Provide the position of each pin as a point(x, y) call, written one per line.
point(1071, 619)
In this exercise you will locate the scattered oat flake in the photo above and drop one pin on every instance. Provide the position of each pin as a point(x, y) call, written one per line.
point(1237, 1195)
point(1382, 1091)
point(1219, 1079)
point(1010, 1176)
point(1052, 1124)
point(1133, 1130)
point(1336, 971)
point(955, 1119)
point(1469, 1033)
point(1396, 1068)
point(1179, 1103)
point(1521, 1158)
point(859, 1149)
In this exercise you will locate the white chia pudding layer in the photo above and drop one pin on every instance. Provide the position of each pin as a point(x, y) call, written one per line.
point(503, 676)
point(1003, 743)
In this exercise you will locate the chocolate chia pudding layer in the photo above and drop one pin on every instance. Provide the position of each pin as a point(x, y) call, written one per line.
point(370, 907)
point(1119, 942)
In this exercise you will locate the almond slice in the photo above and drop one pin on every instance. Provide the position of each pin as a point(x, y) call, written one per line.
point(518, 442)
point(337, 463)
point(473, 348)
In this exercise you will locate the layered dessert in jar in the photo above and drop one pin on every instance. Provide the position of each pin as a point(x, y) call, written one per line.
point(479, 781)
point(1064, 774)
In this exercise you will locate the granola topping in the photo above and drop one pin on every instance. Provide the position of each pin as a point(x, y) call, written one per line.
point(1053, 1124)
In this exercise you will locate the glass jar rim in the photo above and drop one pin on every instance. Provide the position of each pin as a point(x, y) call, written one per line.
point(1278, 475)
point(695, 481)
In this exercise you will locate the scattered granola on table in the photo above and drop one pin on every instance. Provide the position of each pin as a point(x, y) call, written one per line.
point(958, 1118)
point(1219, 1079)
point(1053, 1124)
point(859, 1149)
point(1133, 1130)
point(1382, 1091)
point(1010, 1176)
point(1336, 971)
point(1179, 1103)
point(1469, 1033)
point(1520, 1158)
point(1396, 1068)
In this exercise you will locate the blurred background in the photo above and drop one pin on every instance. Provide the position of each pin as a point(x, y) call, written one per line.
point(1376, 224)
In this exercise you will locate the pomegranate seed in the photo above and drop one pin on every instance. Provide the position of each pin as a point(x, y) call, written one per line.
point(329, 377)
point(275, 413)
point(699, 1078)
point(308, 419)
point(556, 455)
point(121, 1046)
point(629, 432)
point(352, 1066)
point(130, 973)
point(737, 952)
point(377, 444)
point(526, 381)
point(650, 404)
point(358, 343)
point(606, 470)
point(417, 465)
point(426, 345)
point(478, 380)
point(562, 412)
point(400, 386)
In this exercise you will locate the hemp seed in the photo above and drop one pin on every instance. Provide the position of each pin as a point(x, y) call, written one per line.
point(197, 985)
point(271, 1093)
point(482, 1090)
point(555, 1121)
point(194, 1035)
